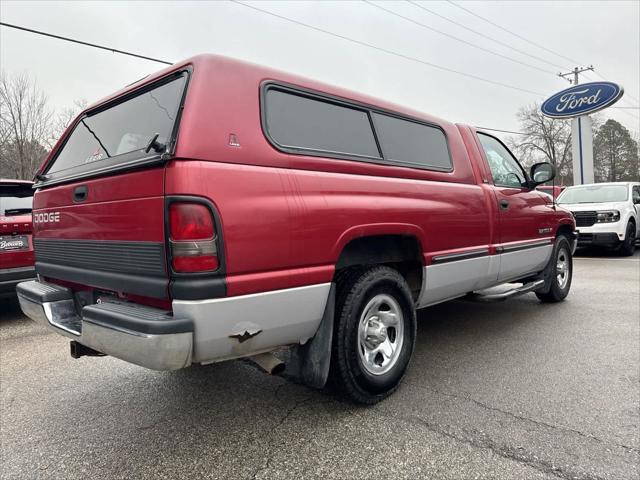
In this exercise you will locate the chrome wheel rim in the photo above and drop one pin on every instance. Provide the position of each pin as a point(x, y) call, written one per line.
point(380, 334)
point(562, 268)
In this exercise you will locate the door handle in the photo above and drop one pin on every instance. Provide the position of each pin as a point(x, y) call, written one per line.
point(504, 204)
point(80, 194)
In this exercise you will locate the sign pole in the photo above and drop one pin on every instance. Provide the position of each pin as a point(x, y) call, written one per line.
point(582, 150)
point(581, 139)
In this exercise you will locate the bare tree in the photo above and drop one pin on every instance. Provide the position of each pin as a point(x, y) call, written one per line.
point(545, 140)
point(65, 117)
point(25, 126)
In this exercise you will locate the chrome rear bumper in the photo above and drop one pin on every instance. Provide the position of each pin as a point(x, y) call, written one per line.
point(140, 335)
point(198, 331)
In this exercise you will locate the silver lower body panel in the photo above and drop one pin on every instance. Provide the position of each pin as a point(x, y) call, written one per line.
point(523, 262)
point(235, 327)
point(455, 279)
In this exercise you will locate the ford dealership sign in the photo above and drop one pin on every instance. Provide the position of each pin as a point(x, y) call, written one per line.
point(582, 99)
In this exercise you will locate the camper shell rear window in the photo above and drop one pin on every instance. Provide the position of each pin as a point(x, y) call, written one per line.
point(118, 134)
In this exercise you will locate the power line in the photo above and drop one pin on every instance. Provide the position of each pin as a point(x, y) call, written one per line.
point(624, 99)
point(389, 52)
point(627, 94)
point(408, 19)
point(506, 45)
point(513, 33)
point(80, 42)
point(532, 43)
point(60, 37)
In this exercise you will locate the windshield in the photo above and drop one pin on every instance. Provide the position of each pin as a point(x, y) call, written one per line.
point(595, 194)
point(15, 206)
point(126, 128)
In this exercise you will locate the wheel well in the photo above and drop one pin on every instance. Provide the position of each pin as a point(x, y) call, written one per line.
point(402, 252)
point(564, 230)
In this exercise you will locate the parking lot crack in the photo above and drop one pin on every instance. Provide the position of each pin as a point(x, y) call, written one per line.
point(297, 404)
point(540, 423)
point(554, 426)
point(517, 455)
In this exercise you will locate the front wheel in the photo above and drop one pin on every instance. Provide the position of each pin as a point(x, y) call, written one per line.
point(374, 333)
point(559, 272)
point(628, 246)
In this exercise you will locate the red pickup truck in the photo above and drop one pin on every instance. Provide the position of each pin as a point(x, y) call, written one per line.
point(218, 210)
point(16, 243)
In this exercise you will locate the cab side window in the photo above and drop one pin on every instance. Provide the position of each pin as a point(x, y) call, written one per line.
point(635, 194)
point(505, 169)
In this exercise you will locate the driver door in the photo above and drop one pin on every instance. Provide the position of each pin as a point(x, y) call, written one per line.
point(524, 227)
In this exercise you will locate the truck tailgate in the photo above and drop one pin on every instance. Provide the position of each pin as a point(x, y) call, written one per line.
point(104, 232)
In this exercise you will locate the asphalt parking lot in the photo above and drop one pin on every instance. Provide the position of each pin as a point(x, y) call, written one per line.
point(517, 390)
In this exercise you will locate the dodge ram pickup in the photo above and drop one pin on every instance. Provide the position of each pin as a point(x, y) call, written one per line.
point(218, 209)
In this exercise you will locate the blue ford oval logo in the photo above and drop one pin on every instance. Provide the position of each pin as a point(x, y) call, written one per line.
point(582, 99)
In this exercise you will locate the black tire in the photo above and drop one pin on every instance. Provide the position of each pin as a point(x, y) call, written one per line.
point(356, 290)
point(628, 246)
point(556, 290)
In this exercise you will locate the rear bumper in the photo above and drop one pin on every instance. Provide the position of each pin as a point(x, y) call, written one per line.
point(10, 277)
point(144, 336)
point(198, 331)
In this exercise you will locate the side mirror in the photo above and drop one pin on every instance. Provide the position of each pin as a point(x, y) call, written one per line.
point(542, 173)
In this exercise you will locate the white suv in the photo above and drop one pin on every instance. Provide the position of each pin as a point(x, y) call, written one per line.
point(607, 214)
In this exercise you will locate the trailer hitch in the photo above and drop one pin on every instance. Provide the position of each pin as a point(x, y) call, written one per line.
point(79, 350)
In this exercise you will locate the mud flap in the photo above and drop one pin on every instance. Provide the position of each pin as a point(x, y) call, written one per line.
point(547, 273)
point(309, 363)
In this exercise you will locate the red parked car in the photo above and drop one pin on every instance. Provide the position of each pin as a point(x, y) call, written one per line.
point(16, 243)
point(218, 210)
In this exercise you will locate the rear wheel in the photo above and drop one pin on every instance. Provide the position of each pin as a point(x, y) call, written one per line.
point(559, 274)
point(628, 246)
point(374, 334)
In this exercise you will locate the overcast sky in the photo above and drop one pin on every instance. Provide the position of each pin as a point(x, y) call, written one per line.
point(603, 33)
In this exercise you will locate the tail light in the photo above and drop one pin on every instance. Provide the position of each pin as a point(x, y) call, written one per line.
point(192, 238)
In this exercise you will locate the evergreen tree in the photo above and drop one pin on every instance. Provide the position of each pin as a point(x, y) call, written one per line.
point(615, 154)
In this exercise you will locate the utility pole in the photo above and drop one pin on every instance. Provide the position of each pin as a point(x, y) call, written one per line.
point(581, 137)
point(575, 72)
